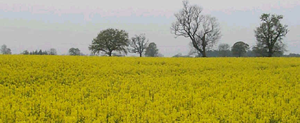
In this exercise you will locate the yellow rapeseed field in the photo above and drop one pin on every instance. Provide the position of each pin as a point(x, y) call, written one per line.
point(102, 89)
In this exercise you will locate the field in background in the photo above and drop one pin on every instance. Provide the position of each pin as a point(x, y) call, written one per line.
point(102, 89)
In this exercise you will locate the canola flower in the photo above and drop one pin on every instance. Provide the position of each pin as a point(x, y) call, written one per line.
point(71, 89)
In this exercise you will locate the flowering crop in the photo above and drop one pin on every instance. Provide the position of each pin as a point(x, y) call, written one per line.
point(102, 89)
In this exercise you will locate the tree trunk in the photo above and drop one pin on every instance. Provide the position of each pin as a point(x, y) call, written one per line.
point(109, 53)
point(204, 52)
point(141, 54)
point(270, 53)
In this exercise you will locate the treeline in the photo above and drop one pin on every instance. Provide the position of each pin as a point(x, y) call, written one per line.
point(239, 49)
point(52, 51)
point(250, 53)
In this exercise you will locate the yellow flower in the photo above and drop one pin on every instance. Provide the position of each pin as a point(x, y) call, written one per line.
point(102, 89)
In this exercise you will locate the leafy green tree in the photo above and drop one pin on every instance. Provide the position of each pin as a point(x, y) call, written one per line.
point(40, 52)
point(178, 55)
point(74, 51)
point(269, 35)
point(52, 51)
point(5, 50)
point(239, 49)
point(224, 50)
point(110, 40)
point(45, 53)
point(139, 44)
point(151, 50)
point(25, 52)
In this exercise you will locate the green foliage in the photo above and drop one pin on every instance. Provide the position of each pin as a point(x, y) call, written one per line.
point(52, 51)
point(239, 49)
point(110, 40)
point(151, 50)
point(269, 36)
point(25, 52)
point(36, 52)
point(74, 51)
point(5, 50)
point(224, 50)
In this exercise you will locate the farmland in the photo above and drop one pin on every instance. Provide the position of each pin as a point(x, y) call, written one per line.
point(103, 89)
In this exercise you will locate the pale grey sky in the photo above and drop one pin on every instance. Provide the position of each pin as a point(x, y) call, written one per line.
point(62, 24)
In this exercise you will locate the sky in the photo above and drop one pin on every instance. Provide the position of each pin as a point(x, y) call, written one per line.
point(62, 24)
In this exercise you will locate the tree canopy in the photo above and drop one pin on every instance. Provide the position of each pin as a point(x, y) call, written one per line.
point(224, 50)
point(110, 40)
point(74, 51)
point(52, 51)
point(151, 50)
point(269, 35)
point(239, 49)
point(5, 50)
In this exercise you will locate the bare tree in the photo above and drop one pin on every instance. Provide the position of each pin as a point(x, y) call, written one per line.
point(139, 44)
point(203, 30)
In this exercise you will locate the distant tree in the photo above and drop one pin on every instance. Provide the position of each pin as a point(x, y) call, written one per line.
point(213, 53)
point(40, 52)
point(203, 30)
point(151, 50)
point(269, 35)
point(45, 53)
point(139, 44)
point(239, 49)
point(250, 53)
point(5, 50)
point(25, 52)
point(35, 52)
point(74, 51)
point(178, 55)
point(118, 55)
point(224, 50)
point(160, 55)
point(52, 51)
point(292, 55)
point(110, 40)
point(8, 51)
